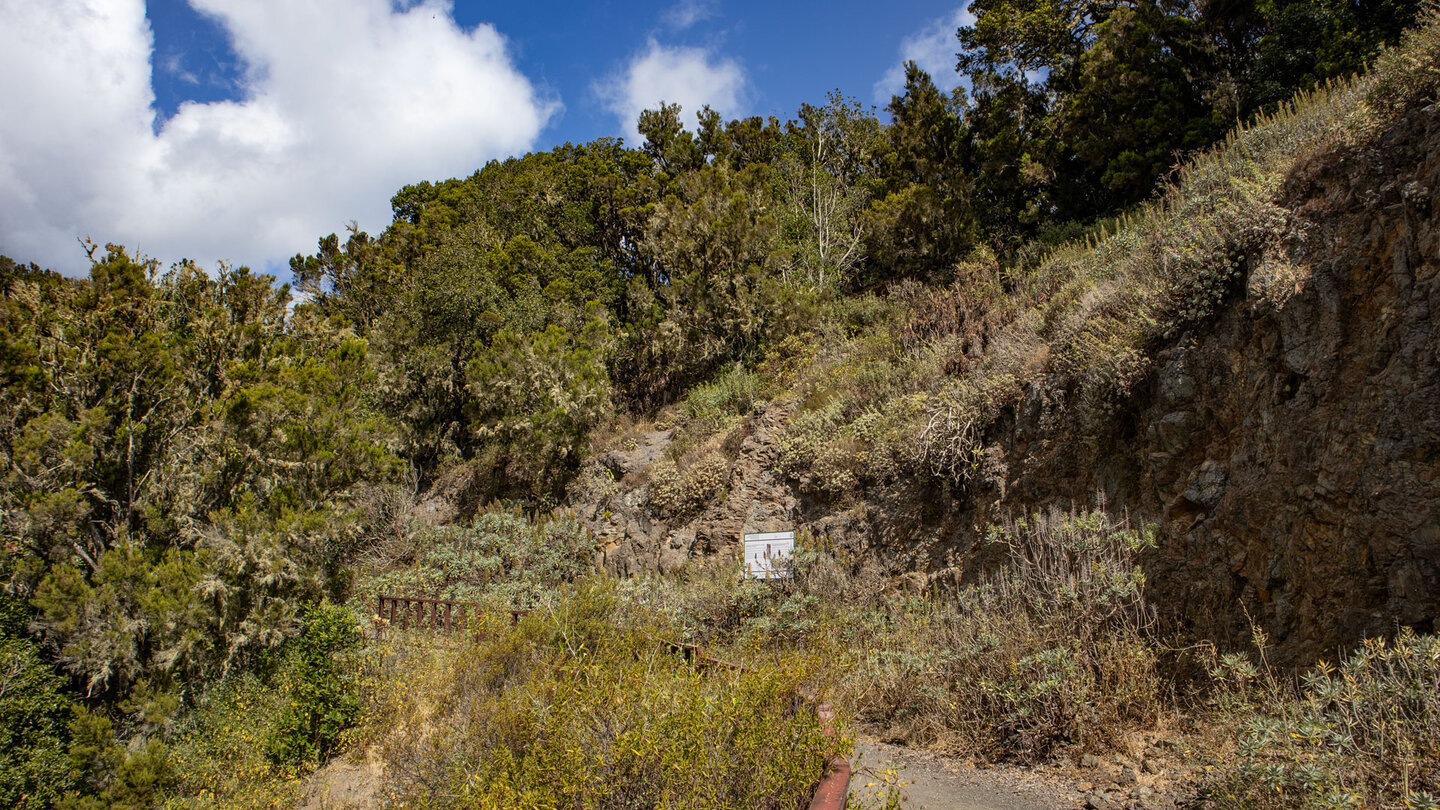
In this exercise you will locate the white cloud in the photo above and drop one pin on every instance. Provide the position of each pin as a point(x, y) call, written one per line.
point(933, 48)
point(690, 77)
point(344, 101)
point(686, 13)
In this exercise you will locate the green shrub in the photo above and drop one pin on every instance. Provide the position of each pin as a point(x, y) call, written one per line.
point(219, 750)
point(34, 713)
point(1408, 73)
point(729, 396)
point(321, 691)
point(828, 454)
point(114, 774)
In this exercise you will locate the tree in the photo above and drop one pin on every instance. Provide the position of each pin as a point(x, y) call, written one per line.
point(1137, 101)
point(926, 220)
point(672, 148)
point(534, 400)
point(164, 410)
point(1080, 108)
point(828, 177)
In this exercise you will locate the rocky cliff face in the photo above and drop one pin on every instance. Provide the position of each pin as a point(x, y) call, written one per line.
point(1289, 448)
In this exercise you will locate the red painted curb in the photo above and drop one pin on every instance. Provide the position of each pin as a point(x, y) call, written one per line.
point(834, 788)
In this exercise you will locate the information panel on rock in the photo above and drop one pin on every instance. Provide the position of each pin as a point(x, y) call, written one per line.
point(768, 554)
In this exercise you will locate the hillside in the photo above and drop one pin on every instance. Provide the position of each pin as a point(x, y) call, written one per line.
point(1117, 470)
point(1249, 364)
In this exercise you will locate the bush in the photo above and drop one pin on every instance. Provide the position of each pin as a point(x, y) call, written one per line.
point(219, 751)
point(112, 773)
point(982, 679)
point(322, 693)
point(584, 705)
point(34, 759)
point(1053, 651)
point(502, 556)
point(727, 397)
point(1363, 734)
point(682, 489)
point(828, 454)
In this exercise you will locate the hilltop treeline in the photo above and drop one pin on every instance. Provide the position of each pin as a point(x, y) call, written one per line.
point(509, 312)
point(192, 461)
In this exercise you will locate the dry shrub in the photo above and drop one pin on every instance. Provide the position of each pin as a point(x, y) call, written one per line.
point(827, 454)
point(502, 556)
point(681, 489)
point(389, 518)
point(1409, 72)
point(583, 705)
point(1052, 652)
point(951, 445)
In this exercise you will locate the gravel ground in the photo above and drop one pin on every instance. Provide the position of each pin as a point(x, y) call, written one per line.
point(932, 782)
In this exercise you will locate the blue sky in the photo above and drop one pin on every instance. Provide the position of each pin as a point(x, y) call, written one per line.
point(242, 130)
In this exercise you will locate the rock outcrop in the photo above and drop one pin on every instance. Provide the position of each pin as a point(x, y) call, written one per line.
point(636, 539)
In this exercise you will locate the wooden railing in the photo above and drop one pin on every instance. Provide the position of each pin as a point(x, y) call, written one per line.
point(404, 612)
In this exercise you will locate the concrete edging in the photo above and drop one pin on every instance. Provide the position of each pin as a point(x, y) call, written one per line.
point(834, 788)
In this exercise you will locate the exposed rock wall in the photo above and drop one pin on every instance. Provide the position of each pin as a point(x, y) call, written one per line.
point(1292, 450)
point(1289, 448)
point(636, 540)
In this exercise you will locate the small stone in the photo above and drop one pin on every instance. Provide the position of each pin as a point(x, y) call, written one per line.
point(1143, 791)
point(1128, 775)
point(1089, 761)
point(1098, 801)
point(1085, 787)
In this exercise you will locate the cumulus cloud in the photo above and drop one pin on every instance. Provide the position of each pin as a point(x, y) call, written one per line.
point(343, 102)
point(688, 76)
point(933, 48)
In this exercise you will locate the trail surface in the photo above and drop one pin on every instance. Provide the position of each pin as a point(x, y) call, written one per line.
point(1149, 776)
point(930, 782)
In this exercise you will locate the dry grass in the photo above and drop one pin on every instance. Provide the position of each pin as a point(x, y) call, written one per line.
point(1090, 313)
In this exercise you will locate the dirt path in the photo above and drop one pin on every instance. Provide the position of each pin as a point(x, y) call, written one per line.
point(926, 782)
point(937, 783)
point(1150, 776)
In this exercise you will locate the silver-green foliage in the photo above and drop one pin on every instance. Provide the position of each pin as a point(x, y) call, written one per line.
point(1365, 732)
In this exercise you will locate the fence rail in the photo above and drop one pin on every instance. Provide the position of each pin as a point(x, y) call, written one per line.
point(432, 614)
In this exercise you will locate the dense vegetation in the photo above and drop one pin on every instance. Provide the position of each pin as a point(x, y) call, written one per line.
point(198, 472)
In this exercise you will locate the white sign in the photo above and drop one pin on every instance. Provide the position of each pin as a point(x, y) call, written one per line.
point(767, 555)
